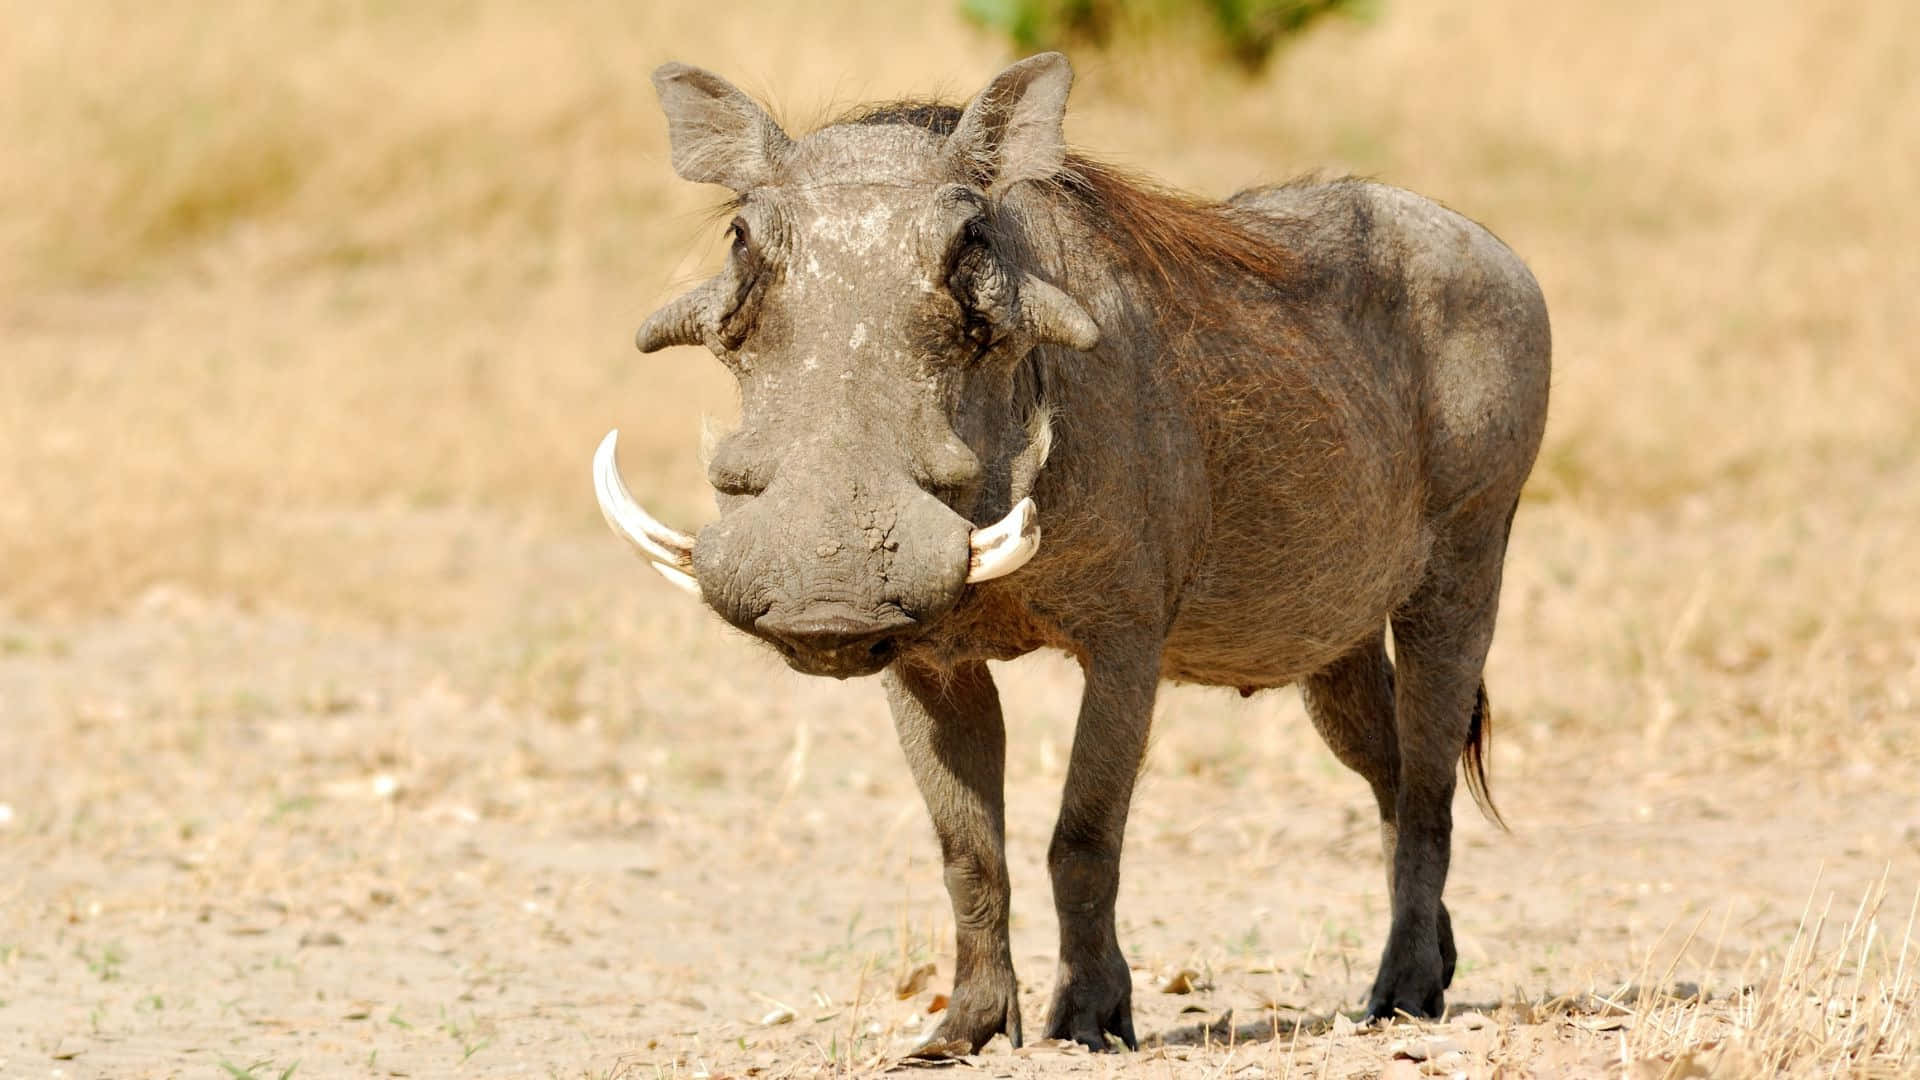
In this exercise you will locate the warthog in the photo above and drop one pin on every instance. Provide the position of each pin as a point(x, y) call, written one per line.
point(997, 397)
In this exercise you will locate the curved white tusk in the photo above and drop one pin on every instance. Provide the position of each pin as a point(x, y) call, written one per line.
point(1004, 546)
point(679, 579)
point(670, 549)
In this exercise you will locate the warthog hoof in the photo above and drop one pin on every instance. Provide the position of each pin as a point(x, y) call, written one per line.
point(1414, 980)
point(1388, 1002)
point(1093, 1002)
point(1411, 984)
point(985, 1006)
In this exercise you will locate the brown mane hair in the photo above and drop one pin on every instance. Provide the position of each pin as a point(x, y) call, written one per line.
point(1173, 236)
point(1177, 237)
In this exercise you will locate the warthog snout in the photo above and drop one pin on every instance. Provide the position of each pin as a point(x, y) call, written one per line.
point(836, 579)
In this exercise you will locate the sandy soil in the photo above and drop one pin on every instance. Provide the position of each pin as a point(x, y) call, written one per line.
point(581, 831)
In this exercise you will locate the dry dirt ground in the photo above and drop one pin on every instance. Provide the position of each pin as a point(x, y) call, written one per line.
point(338, 739)
point(250, 839)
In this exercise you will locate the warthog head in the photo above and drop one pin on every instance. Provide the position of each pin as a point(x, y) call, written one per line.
point(874, 309)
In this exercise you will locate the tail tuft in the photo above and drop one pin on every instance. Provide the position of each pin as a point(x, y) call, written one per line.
point(1474, 757)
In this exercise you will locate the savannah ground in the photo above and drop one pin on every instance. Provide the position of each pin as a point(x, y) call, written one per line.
point(337, 737)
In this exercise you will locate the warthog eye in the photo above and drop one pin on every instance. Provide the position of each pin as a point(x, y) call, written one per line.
point(973, 278)
point(968, 247)
point(744, 266)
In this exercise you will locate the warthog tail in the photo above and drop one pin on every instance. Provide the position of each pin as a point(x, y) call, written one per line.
point(1474, 757)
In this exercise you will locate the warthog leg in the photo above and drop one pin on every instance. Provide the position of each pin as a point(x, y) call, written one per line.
point(1440, 635)
point(1352, 704)
point(1093, 991)
point(955, 741)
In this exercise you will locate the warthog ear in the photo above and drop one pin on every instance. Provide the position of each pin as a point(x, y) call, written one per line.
point(1011, 131)
point(719, 135)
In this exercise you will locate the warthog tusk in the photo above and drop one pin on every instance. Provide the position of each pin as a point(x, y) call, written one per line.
point(1004, 546)
point(670, 550)
point(679, 579)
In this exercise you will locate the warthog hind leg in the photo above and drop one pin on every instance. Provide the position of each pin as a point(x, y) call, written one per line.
point(1440, 637)
point(1352, 705)
point(955, 741)
point(1093, 990)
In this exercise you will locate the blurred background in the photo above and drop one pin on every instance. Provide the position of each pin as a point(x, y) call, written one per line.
point(312, 313)
point(266, 263)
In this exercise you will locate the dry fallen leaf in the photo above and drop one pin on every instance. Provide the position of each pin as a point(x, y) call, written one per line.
point(914, 981)
point(943, 1049)
point(938, 1003)
point(1184, 981)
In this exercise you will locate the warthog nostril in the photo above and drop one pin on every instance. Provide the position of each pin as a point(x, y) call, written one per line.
point(834, 633)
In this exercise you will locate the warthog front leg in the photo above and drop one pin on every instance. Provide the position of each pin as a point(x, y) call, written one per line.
point(1093, 992)
point(955, 741)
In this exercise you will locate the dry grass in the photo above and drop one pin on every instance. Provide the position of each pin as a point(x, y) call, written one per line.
point(1832, 1007)
point(311, 313)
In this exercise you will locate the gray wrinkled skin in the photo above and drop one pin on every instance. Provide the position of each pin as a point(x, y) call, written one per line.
point(1258, 433)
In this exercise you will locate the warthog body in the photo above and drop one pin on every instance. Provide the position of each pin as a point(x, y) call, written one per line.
point(1254, 435)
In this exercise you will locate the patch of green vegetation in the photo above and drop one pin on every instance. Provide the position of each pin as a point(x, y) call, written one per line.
point(872, 947)
point(291, 804)
point(16, 644)
point(468, 1037)
point(249, 1072)
point(1247, 30)
point(1248, 943)
point(106, 966)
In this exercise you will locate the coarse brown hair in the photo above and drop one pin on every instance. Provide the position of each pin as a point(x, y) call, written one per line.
point(1173, 236)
